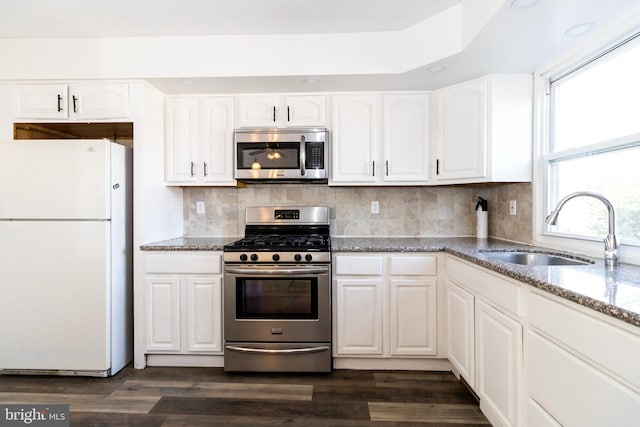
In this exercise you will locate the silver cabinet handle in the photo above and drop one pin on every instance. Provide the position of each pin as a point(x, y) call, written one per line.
point(386, 167)
point(283, 351)
point(192, 174)
point(205, 169)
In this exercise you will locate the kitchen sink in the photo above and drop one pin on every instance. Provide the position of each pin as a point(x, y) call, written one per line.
point(534, 258)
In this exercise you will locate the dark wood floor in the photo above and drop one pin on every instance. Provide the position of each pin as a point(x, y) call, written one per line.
point(209, 397)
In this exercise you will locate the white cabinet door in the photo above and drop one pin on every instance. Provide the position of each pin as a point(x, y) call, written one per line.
point(180, 140)
point(483, 130)
point(215, 140)
point(359, 316)
point(44, 101)
point(305, 111)
point(413, 317)
point(199, 141)
point(461, 332)
point(204, 311)
point(461, 145)
point(102, 101)
point(99, 101)
point(256, 111)
point(163, 313)
point(276, 111)
point(498, 365)
point(406, 139)
point(355, 136)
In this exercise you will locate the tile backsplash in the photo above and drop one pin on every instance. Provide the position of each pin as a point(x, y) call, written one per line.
point(404, 211)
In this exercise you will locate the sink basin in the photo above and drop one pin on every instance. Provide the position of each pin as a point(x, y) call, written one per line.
point(534, 258)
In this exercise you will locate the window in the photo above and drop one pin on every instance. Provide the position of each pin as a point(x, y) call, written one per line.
point(594, 145)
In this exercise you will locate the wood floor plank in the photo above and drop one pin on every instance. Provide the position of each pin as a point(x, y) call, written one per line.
point(454, 395)
point(426, 412)
point(85, 402)
point(216, 390)
point(230, 407)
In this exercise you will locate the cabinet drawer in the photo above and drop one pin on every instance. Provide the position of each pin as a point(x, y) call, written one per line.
point(358, 265)
point(492, 287)
point(413, 265)
point(574, 392)
point(191, 262)
point(612, 347)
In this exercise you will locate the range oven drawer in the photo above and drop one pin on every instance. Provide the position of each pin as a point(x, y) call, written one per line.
point(277, 357)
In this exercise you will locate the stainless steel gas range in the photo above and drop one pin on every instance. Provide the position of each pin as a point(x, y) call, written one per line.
point(277, 292)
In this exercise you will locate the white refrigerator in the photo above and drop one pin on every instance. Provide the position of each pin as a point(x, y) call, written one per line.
point(65, 257)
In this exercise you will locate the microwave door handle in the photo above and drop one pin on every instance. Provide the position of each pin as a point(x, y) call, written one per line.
point(303, 156)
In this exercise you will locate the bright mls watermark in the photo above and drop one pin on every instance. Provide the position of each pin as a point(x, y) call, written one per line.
point(34, 415)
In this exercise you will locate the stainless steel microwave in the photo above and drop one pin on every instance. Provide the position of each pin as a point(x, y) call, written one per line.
point(282, 155)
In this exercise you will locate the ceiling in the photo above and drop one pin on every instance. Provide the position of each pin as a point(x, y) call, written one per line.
point(119, 18)
point(526, 39)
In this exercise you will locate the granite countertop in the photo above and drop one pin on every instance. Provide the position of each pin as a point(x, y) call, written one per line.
point(189, 244)
point(614, 292)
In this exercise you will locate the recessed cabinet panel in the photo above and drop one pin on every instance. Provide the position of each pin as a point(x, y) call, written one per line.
point(499, 364)
point(406, 137)
point(359, 314)
point(354, 139)
point(462, 118)
point(180, 140)
point(216, 140)
point(163, 313)
point(461, 331)
point(413, 317)
point(204, 308)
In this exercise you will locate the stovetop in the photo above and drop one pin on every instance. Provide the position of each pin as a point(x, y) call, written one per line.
point(277, 234)
point(277, 242)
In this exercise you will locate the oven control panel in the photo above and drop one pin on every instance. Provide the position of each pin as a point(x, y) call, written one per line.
point(286, 214)
point(277, 257)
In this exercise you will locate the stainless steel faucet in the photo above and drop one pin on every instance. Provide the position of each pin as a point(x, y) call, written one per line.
point(611, 241)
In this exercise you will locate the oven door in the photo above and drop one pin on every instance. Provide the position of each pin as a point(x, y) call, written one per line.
point(277, 303)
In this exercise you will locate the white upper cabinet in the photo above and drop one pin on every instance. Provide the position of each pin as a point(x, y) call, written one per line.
point(355, 139)
point(199, 141)
point(375, 145)
point(95, 101)
point(482, 130)
point(406, 138)
point(280, 111)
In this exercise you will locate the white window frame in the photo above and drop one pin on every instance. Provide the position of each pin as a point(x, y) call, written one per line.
point(542, 126)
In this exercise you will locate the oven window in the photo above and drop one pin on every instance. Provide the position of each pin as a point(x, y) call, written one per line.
point(268, 155)
point(277, 298)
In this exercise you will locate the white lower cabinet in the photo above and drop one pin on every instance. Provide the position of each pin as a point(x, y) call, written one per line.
point(461, 332)
point(498, 364)
point(184, 303)
point(359, 316)
point(385, 305)
point(582, 370)
point(486, 338)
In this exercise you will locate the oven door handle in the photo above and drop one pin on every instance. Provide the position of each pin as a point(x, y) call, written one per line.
point(274, 351)
point(265, 271)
